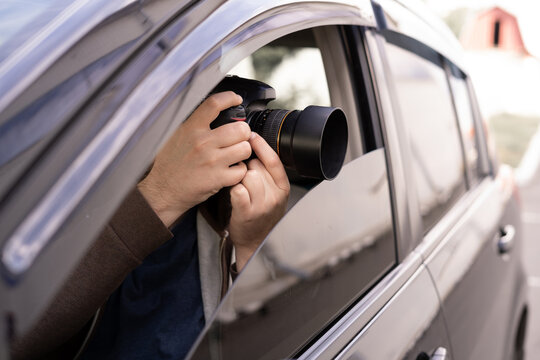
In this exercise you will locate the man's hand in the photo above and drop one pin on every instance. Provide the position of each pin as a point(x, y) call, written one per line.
point(258, 202)
point(196, 162)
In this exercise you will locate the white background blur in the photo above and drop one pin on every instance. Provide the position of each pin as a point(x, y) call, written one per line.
point(507, 83)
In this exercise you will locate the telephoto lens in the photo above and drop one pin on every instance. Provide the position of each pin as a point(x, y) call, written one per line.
point(311, 142)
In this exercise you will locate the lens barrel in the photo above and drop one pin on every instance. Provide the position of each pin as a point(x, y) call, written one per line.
point(312, 142)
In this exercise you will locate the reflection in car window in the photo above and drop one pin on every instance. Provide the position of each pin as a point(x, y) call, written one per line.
point(46, 106)
point(335, 241)
point(426, 107)
point(324, 254)
point(466, 123)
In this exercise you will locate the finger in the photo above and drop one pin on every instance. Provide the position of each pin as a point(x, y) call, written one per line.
point(235, 153)
point(230, 134)
point(256, 164)
point(213, 105)
point(255, 185)
point(240, 200)
point(234, 174)
point(270, 160)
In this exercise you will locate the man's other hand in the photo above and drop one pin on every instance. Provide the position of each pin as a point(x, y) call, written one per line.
point(258, 202)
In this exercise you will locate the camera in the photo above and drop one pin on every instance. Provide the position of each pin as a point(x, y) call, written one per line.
point(310, 142)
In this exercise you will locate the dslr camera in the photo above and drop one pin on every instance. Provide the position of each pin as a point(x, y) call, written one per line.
point(311, 142)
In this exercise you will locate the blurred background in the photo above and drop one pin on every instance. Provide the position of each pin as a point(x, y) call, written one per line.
point(501, 39)
point(502, 43)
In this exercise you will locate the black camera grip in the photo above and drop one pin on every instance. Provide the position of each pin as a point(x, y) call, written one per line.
point(232, 114)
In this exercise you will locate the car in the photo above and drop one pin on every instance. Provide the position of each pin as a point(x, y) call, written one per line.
point(411, 252)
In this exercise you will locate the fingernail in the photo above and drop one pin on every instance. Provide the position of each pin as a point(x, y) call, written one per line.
point(239, 98)
point(252, 136)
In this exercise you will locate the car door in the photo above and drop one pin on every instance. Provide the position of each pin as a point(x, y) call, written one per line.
point(467, 209)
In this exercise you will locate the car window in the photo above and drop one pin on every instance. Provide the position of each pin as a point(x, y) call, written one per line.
point(426, 108)
point(334, 243)
point(462, 101)
point(42, 110)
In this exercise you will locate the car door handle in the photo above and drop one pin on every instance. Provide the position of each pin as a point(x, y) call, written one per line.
point(439, 354)
point(506, 239)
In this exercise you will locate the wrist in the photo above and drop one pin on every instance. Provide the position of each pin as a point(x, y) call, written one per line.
point(243, 254)
point(158, 202)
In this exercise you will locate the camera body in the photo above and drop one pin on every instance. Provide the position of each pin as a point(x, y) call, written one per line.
point(255, 97)
point(311, 142)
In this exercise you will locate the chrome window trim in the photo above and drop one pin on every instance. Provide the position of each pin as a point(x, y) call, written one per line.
point(211, 39)
point(403, 320)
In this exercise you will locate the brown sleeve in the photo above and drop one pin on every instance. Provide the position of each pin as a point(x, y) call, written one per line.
point(132, 233)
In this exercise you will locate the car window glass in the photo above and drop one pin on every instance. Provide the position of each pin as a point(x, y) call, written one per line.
point(323, 255)
point(426, 109)
point(335, 241)
point(62, 89)
point(464, 110)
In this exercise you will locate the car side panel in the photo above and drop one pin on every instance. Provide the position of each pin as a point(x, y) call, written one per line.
point(473, 279)
point(410, 324)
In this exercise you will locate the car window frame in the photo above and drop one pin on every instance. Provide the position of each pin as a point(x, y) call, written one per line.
point(125, 146)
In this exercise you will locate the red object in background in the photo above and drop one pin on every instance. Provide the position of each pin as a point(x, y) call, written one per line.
point(493, 29)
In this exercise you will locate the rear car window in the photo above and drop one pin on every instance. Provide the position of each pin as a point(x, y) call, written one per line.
point(426, 108)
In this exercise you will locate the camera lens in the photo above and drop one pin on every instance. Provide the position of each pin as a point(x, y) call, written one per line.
point(313, 141)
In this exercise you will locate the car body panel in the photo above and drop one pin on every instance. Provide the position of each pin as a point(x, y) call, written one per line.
point(467, 262)
point(413, 321)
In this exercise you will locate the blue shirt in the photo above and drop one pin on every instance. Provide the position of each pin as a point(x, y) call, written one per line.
point(157, 312)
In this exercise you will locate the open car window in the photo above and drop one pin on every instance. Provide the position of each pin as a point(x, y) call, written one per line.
point(335, 241)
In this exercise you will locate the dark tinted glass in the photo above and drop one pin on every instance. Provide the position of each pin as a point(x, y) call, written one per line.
point(426, 109)
point(464, 110)
point(334, 243)
point(323, 255)
point(35, 117)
